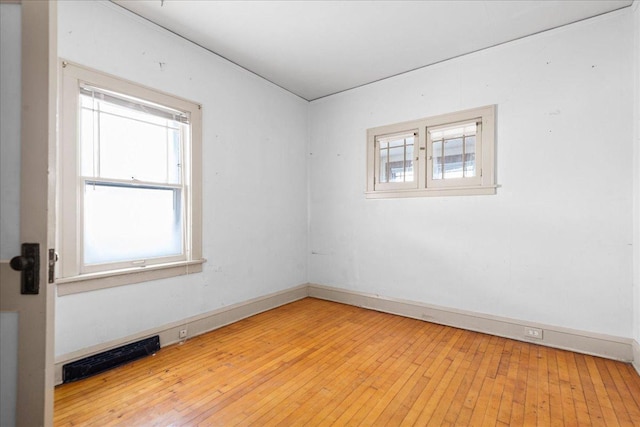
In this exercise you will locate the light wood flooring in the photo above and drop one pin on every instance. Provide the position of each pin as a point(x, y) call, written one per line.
point(318, 363)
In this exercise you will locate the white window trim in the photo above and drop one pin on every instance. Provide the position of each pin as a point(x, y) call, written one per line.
point(69, 275)
point(424, 186)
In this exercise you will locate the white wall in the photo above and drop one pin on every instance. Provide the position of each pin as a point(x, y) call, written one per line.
point(554, 245)
point(636, 191)
point(255, 182)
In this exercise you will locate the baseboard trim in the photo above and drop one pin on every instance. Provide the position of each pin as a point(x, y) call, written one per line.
point(611, 347)
point(196, 325)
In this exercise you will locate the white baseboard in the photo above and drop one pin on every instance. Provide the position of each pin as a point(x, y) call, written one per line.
point(196, 325)
point(611, 347)
point(607, 346)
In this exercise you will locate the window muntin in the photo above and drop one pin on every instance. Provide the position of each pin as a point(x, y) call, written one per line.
point(451, 154)
point(130, 183)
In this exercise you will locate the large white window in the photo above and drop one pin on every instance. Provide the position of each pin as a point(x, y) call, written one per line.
point(130, 181)
point(451, 154)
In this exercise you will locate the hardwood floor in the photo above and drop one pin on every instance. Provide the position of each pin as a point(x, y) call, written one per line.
point(315, 362)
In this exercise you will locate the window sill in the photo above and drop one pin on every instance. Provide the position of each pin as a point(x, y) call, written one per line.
point(432, 192)
point(109, 279)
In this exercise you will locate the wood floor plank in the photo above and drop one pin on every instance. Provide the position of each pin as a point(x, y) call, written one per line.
point(577, 391)
point(340, 376)
point(482, 382)
point(494, 400)
point(543, 398)
point(511, 374)
point(388, 371)
point(431, 362)
point(436, 414)
point(593, 405)
point(566, 398)
point(555, 393)
point(386, 361)
point(397, 407)
point(520, 389)
point(316, 363)
point(623, 391)
point(422, 411)
point(385, 403)
point(531, 397)
point(610, 391)
point(483, 402)
point(631, 381)
point(474, 358)
point(351, 392)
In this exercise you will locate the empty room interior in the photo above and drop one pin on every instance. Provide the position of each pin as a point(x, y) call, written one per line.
point(342, 187)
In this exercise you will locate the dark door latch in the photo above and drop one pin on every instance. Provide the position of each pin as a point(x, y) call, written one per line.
point(29, 264)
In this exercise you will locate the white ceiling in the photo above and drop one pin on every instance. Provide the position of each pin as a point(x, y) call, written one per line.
point(318, 48)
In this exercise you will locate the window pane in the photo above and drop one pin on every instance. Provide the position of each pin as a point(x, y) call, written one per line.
point(122, 143)
point(454, 151)
point(88, 142)
point(130, 223)
point(470, 156)
point(396, 158)
point(396, 164)
point(408, 163)
point(131, 149)
point(397, 142)
point(437, 159)
point(453, 158)
point(384, 160)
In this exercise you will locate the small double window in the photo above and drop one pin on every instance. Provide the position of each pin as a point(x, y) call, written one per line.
point(452, 154)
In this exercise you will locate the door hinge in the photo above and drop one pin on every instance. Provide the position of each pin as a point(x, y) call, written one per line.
point(53, 258)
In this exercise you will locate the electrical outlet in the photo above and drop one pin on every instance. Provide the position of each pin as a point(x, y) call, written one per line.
point(183, 333)
point(535, 333)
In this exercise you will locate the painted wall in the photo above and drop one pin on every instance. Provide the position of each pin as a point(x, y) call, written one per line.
point(255, 177)
point(636, 191)
point(554, 245)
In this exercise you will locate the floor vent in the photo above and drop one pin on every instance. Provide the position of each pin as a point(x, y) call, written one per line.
point(109, 359)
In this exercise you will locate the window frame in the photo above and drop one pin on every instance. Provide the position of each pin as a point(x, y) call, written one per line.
point(416, 167)
point(454, 182)
point(72, 274)
point(481, 184)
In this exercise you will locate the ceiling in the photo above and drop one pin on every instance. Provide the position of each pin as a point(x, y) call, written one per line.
point(318, 48)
